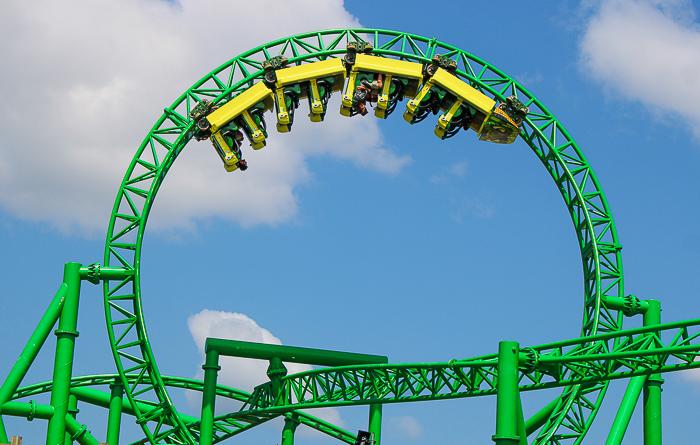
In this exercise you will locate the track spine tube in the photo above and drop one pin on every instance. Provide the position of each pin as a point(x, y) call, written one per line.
point(26, 358)
point(115, 412)
point(652, 387)
point(63, 363)
point(507, 394)
point(211, 369)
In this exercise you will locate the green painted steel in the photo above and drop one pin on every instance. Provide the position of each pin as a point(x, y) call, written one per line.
point(624, 414)
point(72, 412)
point(652, 386)
point(549, 141)
point(522, 432)
point(224, 426)
point(375, 422)
point(290, 426)
point(507, 398)
point(63, 360)
point(115, 413)
point(652, 410)
point(211, 369)
point(79, 432)
point(292, 354)
point(29, 353)
point(588, 361)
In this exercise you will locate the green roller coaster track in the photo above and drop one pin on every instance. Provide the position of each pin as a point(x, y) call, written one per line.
point(583, 367)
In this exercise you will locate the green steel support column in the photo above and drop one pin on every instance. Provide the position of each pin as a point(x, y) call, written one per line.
point(211, 370)
point(115, 413)
point(521, 423)
point(652, 388)
point(375, 422)
point(72, 412)
point(652, 410)
point(507, 394)
point(624, 414)
point(26, 358)
point(290, 425)
point(63, 362)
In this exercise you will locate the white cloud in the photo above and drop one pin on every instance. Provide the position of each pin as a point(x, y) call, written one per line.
point(406, 426)
point(242, 373)
point(649, 51)
point(459, 168)
point(83, 81)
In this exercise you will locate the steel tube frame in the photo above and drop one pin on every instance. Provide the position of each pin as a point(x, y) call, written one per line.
point(292, 354)
point(63, 362)
point(211, 370)
point(115, 413)
point(75, 430)
point(102, 399)
point(290, 425)
point(72, 412)
point(624, 414)
point(507, 394)
point(652, 386)
point(375, 422)
point(29, 353)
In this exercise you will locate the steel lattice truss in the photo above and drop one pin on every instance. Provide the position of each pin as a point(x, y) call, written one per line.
point(586, 360)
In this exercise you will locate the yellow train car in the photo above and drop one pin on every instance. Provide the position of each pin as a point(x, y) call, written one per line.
point(246, 110)
point(313, 81)
point(380, 80)
point(464, 107)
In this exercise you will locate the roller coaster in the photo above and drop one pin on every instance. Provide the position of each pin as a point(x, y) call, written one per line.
point(370, 69)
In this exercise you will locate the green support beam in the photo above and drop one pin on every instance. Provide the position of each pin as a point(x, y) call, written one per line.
point(624, 414)
point(290, 425)
point(292, 354)
point(652, 387)
point(72, 412)
point(115, 413)
point(63, 361)
point(30, 351)
point(507, 396)
point(375, 422)
point(211, 370)
point(31, 410)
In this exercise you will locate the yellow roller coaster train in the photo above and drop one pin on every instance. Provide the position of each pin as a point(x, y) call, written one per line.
point(365, 79)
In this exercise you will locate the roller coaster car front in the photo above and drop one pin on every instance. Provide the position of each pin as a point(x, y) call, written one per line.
point(227, 143)
point(313, 81)
point(503, 124)
point(198, 115)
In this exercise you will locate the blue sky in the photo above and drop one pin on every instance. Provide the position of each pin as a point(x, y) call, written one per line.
point(352, 235)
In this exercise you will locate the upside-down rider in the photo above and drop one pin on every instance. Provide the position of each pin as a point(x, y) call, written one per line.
point(367, 92)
